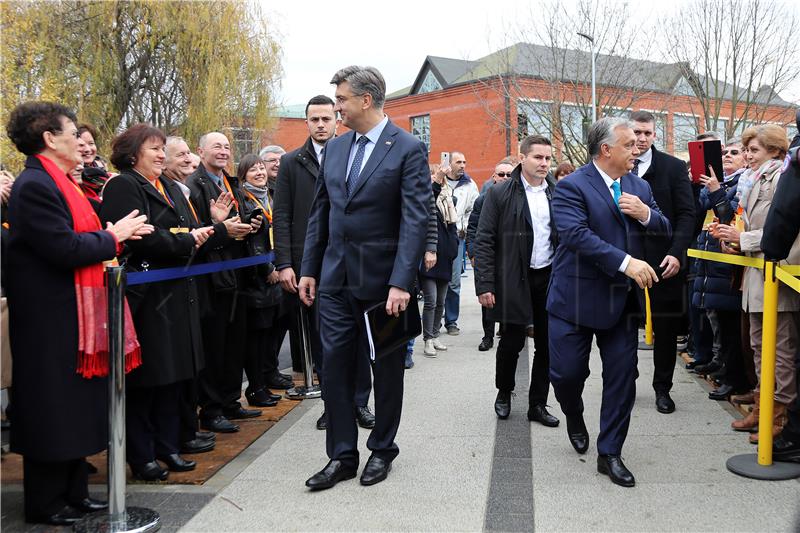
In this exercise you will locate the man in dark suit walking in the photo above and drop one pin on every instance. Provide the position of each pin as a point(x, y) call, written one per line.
point(363, 247)
point(602, 213)
point(672, 192)
point(294, 194)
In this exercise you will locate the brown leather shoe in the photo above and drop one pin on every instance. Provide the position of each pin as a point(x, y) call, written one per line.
point(750, 422)
point(743, 399)
point(778, 421)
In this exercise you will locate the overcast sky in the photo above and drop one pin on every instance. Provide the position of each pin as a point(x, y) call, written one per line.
point(320, 36)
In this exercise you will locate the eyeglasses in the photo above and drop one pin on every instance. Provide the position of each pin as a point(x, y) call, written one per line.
point(732, 151)
point(503, 174)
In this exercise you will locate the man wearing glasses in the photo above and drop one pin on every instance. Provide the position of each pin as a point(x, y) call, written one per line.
point(514, 248)
point(502, 172)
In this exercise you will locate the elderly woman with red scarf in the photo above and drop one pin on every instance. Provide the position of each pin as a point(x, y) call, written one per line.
point(58, 314)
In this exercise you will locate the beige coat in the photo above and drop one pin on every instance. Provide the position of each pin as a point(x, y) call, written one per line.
point(758, 203)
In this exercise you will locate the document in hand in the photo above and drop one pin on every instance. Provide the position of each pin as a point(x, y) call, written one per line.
point(387, 333)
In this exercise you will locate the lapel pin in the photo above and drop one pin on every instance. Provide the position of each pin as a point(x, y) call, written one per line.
point(388, 143)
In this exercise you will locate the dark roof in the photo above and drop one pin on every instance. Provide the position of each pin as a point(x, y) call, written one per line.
point(573, 66)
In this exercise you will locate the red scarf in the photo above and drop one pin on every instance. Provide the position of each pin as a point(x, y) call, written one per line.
point(89, 289)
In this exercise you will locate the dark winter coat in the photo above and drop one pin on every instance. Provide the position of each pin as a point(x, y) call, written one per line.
point(716, 285)
point(56, 415)
point(446, 245)
point(260, 294)
point(503, 248)
point(166, 313)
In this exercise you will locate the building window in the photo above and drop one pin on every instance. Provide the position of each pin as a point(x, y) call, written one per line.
point(661, 131)
point(684, 129)
point(522, 126)
point(429, 83)
point(535, 116)
point(421, 129)
point(791, 130)
point(244, 142)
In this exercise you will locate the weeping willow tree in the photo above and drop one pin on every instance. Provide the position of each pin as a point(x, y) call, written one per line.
point(186, 67)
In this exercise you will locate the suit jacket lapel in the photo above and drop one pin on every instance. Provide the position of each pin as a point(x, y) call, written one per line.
point(149, 189)
point(350, 139)
point(599, 185)
point(382, 147)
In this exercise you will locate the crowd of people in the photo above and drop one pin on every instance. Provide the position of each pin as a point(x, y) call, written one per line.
point(561, 255)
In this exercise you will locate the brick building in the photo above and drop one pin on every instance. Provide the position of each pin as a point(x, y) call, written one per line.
point(483, 107)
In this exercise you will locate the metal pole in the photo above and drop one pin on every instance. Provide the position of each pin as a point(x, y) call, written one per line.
point(309, 390)
point(768, 339)
point(119, 518)
point(594, 90)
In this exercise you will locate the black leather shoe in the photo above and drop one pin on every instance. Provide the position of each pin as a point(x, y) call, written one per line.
point(66, 516)
point(242, 413)
point(279, 381)
point(785, 449)
point(219, 424)
point(692, 365)
point(707, 368)
point(285, 376)
point(722, 393)
point(502, 404)
point(260, 398)
point(322, 422)
point(486, 344)
point(90, 505)
point(205, 435)
point(334, 472)
point(664, 403)
point(365, 418)
point(538, 413)
point(612, 466)
point(176, 463)
point(577, 433)
point(375, 471)
point(718, 376)
point(151, 471)
point(197, 446)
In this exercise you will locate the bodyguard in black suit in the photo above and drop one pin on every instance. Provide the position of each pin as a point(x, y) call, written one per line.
point(364, 244)
point(672, 192)
point(294, 194)
point(514, 248)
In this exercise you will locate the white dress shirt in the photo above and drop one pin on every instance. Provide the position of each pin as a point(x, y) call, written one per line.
point(607, 179)
point(539, 207)
point(318, 149)
point(187, 192)
point(373, 135)
point(645, 160)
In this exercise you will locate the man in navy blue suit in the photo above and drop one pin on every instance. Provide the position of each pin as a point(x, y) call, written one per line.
point(363, 247)
point(602, 213)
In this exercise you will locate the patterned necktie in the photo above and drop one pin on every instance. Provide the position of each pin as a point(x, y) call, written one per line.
point(617, 192)
point(635, 169)
point(355, 168)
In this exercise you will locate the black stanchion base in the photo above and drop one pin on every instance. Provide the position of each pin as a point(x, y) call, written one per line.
point(137, 520)
point(746, 465)
point(304, 393)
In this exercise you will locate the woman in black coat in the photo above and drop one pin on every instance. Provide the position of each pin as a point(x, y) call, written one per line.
point(59, 413)
point(165, 313)
point(434, 279)
point(264, 293)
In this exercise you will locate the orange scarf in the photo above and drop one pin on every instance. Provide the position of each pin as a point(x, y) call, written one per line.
point(90, 292)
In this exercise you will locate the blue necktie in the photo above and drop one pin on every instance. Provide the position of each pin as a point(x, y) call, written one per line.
point(617, 192)
point(355, 168)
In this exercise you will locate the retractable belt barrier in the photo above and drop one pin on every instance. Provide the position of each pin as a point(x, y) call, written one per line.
point(120, 518)
point(749, 465)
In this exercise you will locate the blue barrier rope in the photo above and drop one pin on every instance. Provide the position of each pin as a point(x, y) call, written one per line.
point(164, 274)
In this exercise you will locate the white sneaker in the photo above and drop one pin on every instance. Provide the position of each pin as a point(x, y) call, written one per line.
point(439, 346)
point(429, 350)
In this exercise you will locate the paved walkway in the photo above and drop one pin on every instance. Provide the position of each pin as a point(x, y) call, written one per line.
point(460, 469)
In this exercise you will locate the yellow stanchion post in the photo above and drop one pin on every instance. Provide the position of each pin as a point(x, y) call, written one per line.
point(769, 333)
point(648, 324)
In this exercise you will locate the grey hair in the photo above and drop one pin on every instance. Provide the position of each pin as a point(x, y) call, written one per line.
point(712, 135)
point(363, 80)
point(734, 140)
point(602, 132)
point(271, 149)
point(172, 139)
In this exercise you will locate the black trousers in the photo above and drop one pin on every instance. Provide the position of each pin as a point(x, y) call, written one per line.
point(343, 334)
point(187, 407)
point(50, 485)
point(513, 340)
point(668, 323)
point(488, 325)
point(731, 354)
point(224, 338)
point(261, 357)
point(152, 422)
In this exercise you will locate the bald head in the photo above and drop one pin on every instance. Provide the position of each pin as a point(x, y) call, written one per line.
point(215, 151)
